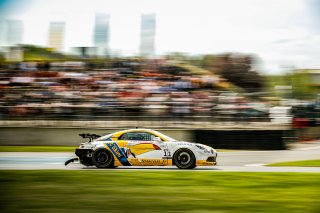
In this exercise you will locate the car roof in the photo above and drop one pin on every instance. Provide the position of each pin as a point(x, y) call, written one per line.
point(118, 134)
point(133, 130)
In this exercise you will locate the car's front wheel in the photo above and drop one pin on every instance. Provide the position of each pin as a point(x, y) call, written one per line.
point(102, 158)
point(184, 159)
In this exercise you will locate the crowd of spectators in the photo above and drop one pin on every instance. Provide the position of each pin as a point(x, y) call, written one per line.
point(136, 90)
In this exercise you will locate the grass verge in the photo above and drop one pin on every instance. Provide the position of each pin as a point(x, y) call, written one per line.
point(158, 191)
point(304, 163)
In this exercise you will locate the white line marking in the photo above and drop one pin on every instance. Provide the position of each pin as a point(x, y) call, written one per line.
point(309, 148)
point(255, 164)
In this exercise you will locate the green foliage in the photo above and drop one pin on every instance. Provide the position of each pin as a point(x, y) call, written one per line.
point(203, 61)
point(2, 58)
point(276, 80)
point(301, 88)
point(35, 53)
point(299, 80)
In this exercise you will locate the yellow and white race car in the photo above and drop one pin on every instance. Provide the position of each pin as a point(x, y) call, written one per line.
point(142, 147)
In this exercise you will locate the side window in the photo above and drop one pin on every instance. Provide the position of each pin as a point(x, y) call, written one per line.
point(137, 136)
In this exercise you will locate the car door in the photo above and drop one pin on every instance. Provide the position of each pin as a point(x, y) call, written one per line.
point(144, 148)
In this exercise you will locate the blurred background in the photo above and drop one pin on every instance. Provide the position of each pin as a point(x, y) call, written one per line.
point(240, 76)
point(193, 66)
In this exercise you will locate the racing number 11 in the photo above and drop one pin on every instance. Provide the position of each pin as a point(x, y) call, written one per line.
point(167, 153)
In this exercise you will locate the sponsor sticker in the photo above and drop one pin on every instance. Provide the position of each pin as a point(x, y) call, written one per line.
point(115, 149)
point(153, 161)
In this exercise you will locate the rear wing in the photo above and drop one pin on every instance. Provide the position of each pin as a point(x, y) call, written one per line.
point(90, 136)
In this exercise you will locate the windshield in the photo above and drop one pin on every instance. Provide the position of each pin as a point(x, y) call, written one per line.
point(167, 138)
point(164, 136)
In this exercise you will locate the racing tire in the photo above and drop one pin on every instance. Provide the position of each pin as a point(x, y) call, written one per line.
point(184, 159)
point(86, 161)
point(102, 158)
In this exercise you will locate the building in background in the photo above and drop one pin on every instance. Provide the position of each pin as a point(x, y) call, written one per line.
point(56, 35)
point(101, 34)
point(14, 38)
point(14, 34)
point(147, 36)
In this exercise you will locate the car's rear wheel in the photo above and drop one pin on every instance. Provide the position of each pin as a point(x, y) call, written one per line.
point(184, 159)
point(102, 158)
point(87, 161)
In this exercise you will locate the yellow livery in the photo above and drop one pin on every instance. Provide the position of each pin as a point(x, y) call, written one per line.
point(143, 147)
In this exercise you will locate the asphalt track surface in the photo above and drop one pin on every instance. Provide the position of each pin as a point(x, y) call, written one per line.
point(247, 161)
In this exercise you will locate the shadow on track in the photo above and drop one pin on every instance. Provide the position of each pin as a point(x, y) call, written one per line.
point(153, 168)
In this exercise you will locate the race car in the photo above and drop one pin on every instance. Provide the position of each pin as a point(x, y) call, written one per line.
point(142, 147)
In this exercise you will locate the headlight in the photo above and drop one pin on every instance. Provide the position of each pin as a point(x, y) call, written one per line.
point(201, 147)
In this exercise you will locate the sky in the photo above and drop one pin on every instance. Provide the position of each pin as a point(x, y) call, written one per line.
point(282, 34)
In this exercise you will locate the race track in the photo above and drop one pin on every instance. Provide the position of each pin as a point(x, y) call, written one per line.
point(249, 161)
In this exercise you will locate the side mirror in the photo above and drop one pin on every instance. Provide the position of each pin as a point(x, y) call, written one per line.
point(157, 139)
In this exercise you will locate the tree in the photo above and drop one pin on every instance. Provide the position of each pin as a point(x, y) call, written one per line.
point(239, 70)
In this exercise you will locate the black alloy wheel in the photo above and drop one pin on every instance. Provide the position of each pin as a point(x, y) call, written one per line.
point(184, 159)
point(102, 158)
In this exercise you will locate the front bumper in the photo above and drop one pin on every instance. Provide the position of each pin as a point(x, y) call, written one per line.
point(210, 161)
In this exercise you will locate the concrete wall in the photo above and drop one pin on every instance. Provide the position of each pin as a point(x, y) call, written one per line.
point(65, 136)
point(225, 139)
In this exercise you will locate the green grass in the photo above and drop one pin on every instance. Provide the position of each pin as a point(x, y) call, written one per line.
point(304, 163)
point(37, 148)
point(158, 191)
